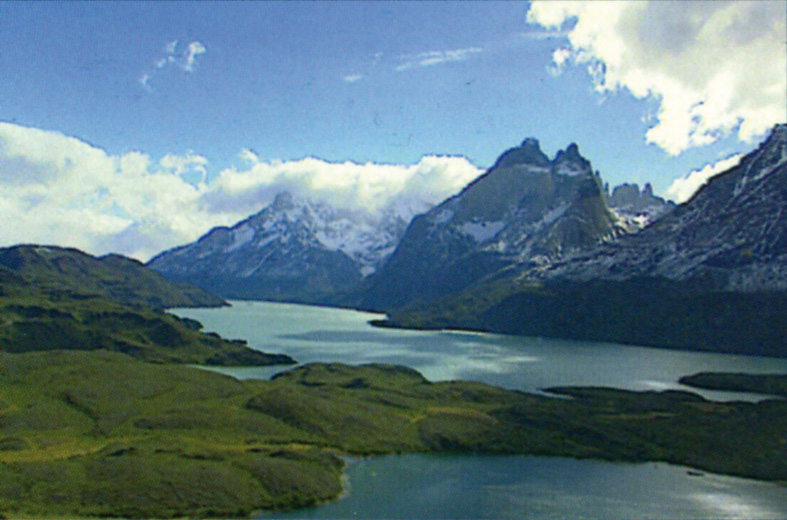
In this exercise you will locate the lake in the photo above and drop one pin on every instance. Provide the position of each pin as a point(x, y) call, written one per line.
point(420, 486)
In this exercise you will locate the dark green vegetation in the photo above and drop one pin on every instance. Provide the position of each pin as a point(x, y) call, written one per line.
point(100, 434)
point(113, 276)
point(54, 298)
point(643, 311)
point(772, 384)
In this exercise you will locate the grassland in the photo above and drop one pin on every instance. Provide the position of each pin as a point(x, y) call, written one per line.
point(101, 434)
point(100, 416)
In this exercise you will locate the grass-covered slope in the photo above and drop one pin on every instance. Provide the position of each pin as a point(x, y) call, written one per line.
point(99, 434)
point(113, 276)
point(54, 299)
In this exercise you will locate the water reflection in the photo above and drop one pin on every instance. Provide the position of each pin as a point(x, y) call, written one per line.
point(479, 487)
point(318, 334)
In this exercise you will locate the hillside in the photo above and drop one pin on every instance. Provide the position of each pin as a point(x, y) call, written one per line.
point(103, 435)
point(63, 299)
point(112, 276)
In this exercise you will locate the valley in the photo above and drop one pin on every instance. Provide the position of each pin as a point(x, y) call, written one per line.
point(434, 260)
point(95, 386)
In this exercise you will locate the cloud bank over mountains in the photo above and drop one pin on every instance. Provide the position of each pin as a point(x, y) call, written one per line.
point(60, 190)
point(712, 67)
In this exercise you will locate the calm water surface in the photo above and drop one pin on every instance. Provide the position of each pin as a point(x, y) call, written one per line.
point(311, 334)
point(437, 487)
point(536, 488)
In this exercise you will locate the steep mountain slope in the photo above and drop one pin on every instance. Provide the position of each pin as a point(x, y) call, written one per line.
point(295, 249)
point(113, 276)
point(525, 210)
point(709, 275)
point(732, 234)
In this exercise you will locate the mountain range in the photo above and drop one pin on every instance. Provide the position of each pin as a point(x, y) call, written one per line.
point(536, 246)
point(710, 274)
point(525, 208)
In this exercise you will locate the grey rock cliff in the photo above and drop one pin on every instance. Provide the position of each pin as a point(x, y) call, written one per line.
point(526, 210)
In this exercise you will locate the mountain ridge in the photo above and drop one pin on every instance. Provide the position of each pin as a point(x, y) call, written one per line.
point(709, 275)
point(294, 249)
point(526, 209)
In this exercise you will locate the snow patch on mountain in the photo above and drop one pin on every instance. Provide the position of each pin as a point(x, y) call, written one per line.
point(482, 231)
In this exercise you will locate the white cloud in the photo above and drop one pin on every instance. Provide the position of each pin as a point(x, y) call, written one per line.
point(185, 60)
point(194, 49)
point(426, 59)
point(58, 190)
point(683, 188)
point(144, 80)
point(171, 46)
point(714, 67)
point(372, 187)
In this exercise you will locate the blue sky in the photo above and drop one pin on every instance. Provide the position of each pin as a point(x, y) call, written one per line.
point(224, 88)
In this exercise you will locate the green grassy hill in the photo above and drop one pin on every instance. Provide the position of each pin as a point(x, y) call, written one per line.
point(62, 299)
point(112, 276)
point(100, 434)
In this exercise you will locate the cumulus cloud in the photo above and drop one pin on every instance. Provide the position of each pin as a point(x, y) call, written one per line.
point(59, 190)
point(370, 187)
point(430, 58)
point(713, 67)
point(683, 188)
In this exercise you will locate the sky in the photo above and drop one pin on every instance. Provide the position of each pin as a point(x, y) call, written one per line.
point(135, 127)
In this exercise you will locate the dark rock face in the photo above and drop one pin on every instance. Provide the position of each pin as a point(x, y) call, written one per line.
point(525, 210)
point(732, 234)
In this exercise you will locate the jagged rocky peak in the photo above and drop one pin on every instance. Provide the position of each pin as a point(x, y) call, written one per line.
point(636, 208)
point(570, 162)
point(528, 153)
point(629, 197)
point(527, 208)
point(283, 200)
